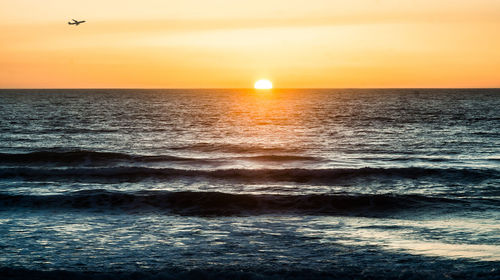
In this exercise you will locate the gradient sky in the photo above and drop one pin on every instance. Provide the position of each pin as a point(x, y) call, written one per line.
point(232, 43)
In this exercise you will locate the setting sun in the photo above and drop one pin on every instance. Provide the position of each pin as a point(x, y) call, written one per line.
point(263, 84)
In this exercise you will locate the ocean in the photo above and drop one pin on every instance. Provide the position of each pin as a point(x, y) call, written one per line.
point(247, 184)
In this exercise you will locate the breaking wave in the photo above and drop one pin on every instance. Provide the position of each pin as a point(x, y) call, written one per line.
point(225, 204)
point(236, 148)
point(79, 157)
point(298, 175)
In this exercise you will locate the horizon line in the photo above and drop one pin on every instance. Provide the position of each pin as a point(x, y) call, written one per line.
point(229, 88)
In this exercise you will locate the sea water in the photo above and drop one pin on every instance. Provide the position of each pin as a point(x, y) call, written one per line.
point(246, 184)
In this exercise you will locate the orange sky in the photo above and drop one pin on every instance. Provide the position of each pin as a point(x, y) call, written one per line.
point(228, 43)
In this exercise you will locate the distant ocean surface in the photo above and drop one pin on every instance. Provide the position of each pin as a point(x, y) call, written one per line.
point(242, 184)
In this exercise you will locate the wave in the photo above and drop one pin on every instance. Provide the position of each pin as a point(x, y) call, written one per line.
point(78, 156)
point(237, 148)
point(298, 175)
point(280, 158)
point(225, 204)
point(91, 157)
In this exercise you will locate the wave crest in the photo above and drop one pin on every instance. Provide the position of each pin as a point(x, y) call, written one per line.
point(225, 204)
point(297, 175)
point(83, 157)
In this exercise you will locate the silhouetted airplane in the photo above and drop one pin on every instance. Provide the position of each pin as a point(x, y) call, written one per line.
point(75, 22)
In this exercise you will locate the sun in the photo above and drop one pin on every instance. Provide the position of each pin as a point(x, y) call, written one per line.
point(263, 84)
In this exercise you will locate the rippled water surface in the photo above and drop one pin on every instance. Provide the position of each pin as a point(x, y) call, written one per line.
point(228, 184)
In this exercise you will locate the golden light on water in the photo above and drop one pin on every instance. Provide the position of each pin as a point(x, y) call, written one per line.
point(263, 84)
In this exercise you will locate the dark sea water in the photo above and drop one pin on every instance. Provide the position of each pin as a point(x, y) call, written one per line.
point(240, 184)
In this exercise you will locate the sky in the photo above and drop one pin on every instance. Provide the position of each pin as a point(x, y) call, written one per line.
point(233, 43)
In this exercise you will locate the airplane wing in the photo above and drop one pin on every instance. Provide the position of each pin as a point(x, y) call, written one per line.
point(74, 20)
